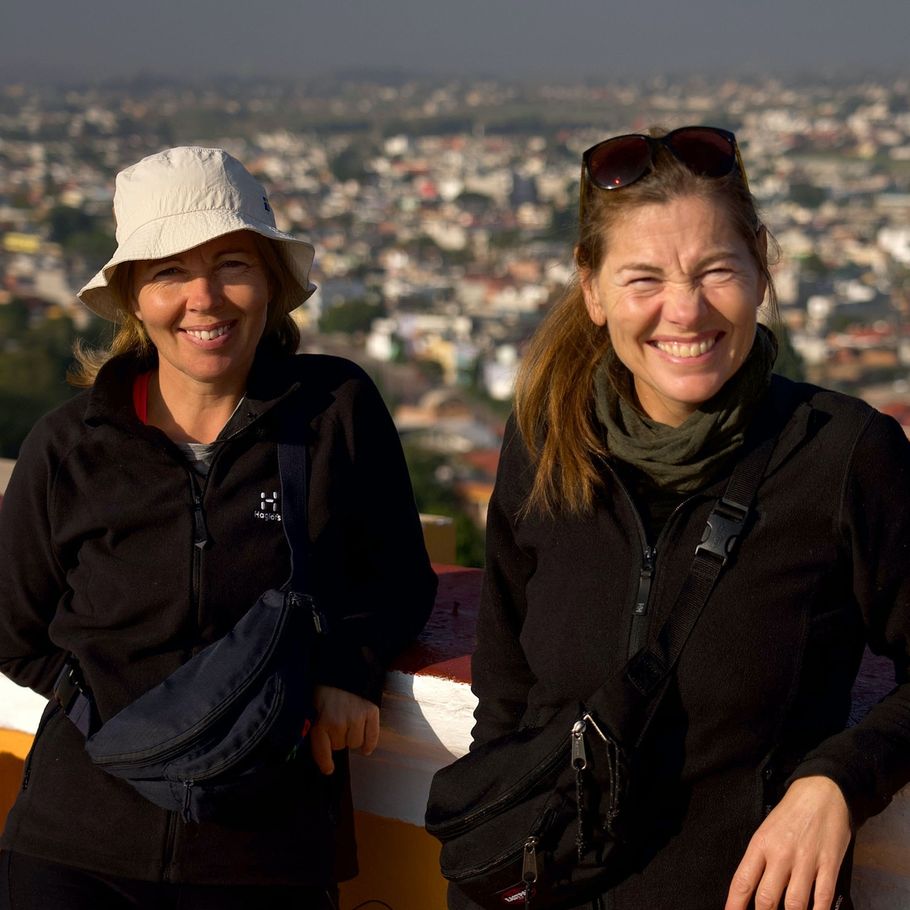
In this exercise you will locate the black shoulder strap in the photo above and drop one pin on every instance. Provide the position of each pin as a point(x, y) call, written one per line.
point(654, 662)
point(292, 468)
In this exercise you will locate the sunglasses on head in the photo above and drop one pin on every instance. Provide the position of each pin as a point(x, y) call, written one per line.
point(707, 151)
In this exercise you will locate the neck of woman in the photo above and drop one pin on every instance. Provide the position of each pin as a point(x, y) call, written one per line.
point(190, 412)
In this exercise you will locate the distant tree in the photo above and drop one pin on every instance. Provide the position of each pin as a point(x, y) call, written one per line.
point(65, 221)
point(455, 258)
point(807, 195)
point(14, 319)
point(472, 201)
point(79, 233)
point(813, 266)
point(434, 495)
point(841, 322)
point(350, 317)
point(470, 542)
point(33, 364)
point(789, 363)
point(564, 226)
point(350, 164)
point(506, 238)
point(431, 370)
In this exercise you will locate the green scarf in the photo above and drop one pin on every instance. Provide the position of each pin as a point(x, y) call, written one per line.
point(687, 457)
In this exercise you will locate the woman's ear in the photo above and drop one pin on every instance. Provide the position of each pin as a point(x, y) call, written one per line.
point(592, 297)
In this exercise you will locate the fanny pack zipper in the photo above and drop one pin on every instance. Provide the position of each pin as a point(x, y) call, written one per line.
point(501, 803)
point(176, 746)
point(525, 849)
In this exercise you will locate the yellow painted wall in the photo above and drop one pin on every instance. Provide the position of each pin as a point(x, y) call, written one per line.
point(13, 749)
point(399, 864)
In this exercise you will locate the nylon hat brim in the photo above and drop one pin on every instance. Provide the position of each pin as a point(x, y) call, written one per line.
point(178, 233)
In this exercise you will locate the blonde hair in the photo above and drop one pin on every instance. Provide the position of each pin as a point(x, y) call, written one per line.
point(130, 336)
point(554, 396)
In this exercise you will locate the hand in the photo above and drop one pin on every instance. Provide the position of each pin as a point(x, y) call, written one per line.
point(801, 844)
point(343, 721)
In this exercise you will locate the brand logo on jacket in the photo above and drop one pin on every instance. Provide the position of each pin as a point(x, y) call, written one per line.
point(268, 507)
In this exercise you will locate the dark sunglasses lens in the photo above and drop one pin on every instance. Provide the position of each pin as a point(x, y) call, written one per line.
point(618, 162)
point(704, 152)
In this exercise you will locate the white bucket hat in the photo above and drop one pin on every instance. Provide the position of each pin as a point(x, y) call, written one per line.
point(180, 198)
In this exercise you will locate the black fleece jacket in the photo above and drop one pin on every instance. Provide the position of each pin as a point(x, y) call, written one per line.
point(112, 548)
point(762, 690)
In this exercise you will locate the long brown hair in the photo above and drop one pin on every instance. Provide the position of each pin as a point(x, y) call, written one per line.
point(554, 395)
point(130, 336)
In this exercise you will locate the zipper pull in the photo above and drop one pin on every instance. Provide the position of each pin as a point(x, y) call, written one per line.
point(319, 621)
point(644, 581)
point(529, 862)
point(200, 532)
point(579, 756)
point(187, 797)
point(318, 617)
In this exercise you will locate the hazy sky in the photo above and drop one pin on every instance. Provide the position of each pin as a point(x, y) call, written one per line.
point(105, 38)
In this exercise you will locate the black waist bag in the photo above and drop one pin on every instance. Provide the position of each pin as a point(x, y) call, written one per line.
point(538, 818)
point(543, 816)
point(212, 739)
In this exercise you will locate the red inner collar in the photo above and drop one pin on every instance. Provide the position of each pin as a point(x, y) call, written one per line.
point(141, 395)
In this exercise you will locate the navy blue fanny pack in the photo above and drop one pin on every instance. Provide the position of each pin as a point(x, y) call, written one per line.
point(213, 737)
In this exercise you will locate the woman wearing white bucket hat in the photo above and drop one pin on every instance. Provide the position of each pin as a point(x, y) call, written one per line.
point(141, 522)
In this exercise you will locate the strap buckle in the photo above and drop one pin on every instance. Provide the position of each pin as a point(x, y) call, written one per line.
point(75, 698)
point(69, 687)
point(725, 524)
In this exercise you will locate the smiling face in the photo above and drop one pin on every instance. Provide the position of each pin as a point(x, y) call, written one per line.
point(205, 311)
point(679, 291)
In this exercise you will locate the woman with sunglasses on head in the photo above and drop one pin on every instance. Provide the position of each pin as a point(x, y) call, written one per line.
point(645, 386)
point(144, 518)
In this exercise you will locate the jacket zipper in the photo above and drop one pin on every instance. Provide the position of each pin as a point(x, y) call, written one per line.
point(642, 597)
point(645, 575)
point(200, 539)
point(647, 571)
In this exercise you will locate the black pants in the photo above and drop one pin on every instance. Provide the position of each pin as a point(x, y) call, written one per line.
point(28, 883)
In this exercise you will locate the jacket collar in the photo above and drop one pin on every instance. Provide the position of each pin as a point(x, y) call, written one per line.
point(270, 382)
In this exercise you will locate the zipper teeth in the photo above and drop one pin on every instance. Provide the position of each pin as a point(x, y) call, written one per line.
point(513, 852)
point(491, 810)
point(170, 835)
point(649, 562)
point(645, 582)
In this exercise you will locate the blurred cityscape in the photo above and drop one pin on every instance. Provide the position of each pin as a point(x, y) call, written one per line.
point(443, 215)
